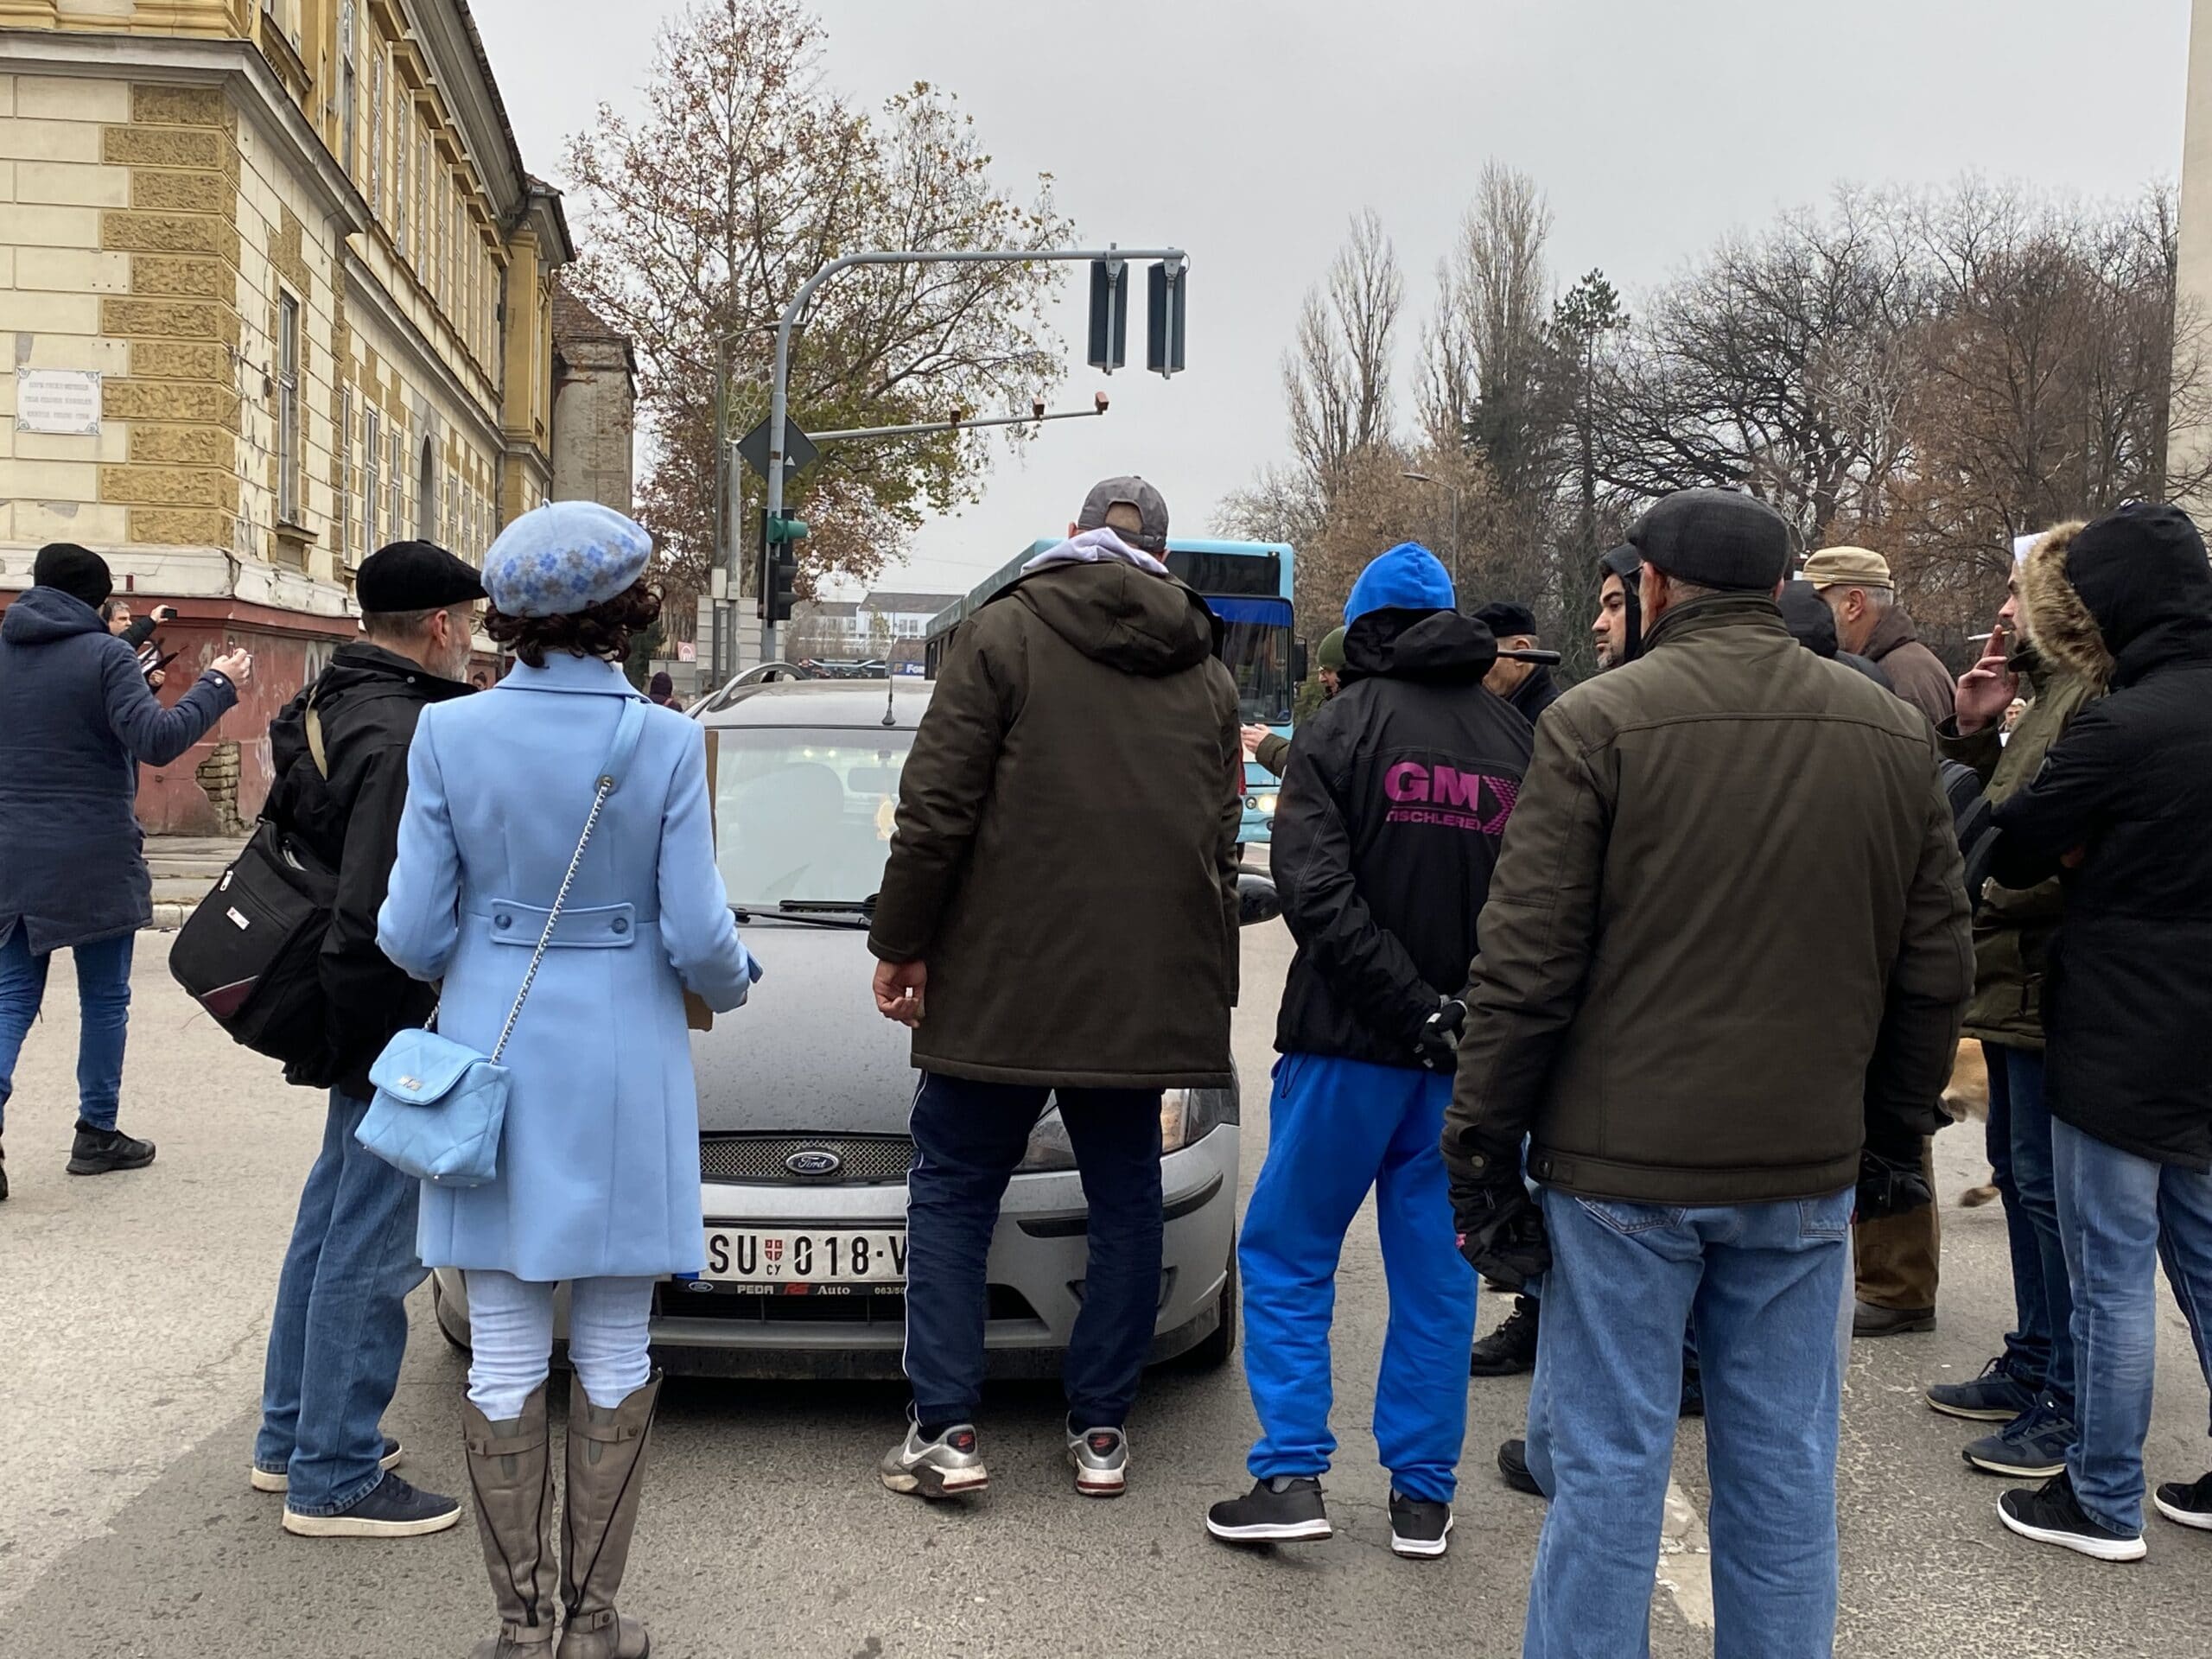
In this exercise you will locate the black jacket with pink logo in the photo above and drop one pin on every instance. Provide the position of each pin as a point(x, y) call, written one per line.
point(1394, 797)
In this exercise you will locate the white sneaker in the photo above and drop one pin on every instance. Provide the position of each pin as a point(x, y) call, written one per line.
point(1101, 1458)
point(948, 1466)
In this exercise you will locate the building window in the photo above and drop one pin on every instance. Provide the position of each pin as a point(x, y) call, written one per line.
point(399, 172)
point(342, 539)
point(426, 495)
point(423, 208)
point(376, 129)
point(396, 513)
point(288, 409)
point(348, 100)
point(371, 475)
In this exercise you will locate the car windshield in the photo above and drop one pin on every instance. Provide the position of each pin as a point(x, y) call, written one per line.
point(804, 816)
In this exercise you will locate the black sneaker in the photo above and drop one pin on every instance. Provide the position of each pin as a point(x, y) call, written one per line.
point(2050, 1514)
point(2186, 1506)
point(391, 1509)
point(1511, 1348)
point(102, 1151)
point(1420, 1530)
point(1513, 1464)
point(1286, 1509)
point(1995, 1396)
point(2033, 1446)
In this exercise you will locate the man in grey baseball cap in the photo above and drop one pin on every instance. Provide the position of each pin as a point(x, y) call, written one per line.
point(1141, 520)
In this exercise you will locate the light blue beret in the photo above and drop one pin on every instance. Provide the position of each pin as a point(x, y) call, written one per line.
point(563, 557)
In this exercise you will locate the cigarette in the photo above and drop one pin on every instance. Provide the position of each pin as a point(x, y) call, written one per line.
point(1971, 637)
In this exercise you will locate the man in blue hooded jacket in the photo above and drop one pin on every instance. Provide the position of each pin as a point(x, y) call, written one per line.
point(1394, 797)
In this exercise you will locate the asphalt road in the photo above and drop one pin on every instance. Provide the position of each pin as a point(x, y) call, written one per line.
point(133, 1310)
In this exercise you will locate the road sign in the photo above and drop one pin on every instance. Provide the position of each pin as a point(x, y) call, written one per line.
point(798, 449)
point(1110, 313)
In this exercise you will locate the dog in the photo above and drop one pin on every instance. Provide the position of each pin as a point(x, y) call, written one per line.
point(1966, 1096)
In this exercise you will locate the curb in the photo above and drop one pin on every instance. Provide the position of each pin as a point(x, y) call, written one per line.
point(168, 918)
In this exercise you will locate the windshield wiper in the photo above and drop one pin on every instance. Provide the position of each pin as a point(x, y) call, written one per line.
point(806, 915)
point(831, 906)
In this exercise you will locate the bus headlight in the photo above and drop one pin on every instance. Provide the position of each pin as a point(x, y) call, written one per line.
point(1267, 804)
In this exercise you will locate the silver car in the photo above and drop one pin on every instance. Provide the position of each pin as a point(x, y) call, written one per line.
point(804, 1095)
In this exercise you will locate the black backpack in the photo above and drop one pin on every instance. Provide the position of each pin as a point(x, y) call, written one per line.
point(248, 953)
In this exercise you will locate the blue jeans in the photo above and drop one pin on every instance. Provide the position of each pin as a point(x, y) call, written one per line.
point(1337, 1127)
point(1765, 1283)
point(2036, 1185)
point(968, 1138)
point(2120, 1216)
point(103, 1018)
point(340, 1324)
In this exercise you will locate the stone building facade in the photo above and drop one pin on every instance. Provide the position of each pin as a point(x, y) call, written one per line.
point(279, 290)
point(594, 407)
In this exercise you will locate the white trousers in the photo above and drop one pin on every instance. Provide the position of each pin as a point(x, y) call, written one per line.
point(511, 1335)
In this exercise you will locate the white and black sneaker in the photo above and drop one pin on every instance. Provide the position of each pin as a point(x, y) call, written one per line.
point(948, 1466)
point(1101, 1461)
point(1420, 1530)
point(391, 1509)
point(1283, 1509)
point(2050, 1514)
point(2186, 1506)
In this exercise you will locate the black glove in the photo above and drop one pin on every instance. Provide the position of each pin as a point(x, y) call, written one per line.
point(1888, 1187)
point(1501, 1229)
point(1436, 1047)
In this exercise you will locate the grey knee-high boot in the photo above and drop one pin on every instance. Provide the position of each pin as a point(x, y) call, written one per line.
point(511, 1473)
point(607, 1458)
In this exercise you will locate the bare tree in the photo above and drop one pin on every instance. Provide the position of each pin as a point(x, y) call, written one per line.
point(1337, 376)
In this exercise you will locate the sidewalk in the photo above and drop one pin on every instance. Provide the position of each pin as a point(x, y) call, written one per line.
point(184, 869)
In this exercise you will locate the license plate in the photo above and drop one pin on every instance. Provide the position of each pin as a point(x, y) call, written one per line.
point(757, 1255)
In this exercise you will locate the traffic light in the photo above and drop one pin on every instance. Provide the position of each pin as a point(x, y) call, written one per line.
point(1164, 291)
point(779, 565)
point(1110, 313)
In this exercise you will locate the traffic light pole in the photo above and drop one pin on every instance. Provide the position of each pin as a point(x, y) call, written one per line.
point(780, 387)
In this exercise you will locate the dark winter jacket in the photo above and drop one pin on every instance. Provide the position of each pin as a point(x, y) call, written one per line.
point(2126, 602)
point(1064, 859)
point(367, 701)
point(2014, 928)
point(1535, 694)
point(76, 720)
point(1387, 827)
point(1913, 672)
point(1726, 945)
point(1810, 622)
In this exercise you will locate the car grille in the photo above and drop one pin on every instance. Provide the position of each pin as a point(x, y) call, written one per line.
point(863, 1160)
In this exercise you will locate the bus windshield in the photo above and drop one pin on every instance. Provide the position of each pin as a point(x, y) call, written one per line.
point(1257, 648)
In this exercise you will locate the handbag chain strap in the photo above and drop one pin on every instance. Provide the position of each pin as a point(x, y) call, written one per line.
point(625, 739)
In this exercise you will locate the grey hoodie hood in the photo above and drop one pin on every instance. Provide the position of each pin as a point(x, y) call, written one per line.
point(40, 615)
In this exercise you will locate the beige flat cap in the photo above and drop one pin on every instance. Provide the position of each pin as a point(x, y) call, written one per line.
point(1848, 567)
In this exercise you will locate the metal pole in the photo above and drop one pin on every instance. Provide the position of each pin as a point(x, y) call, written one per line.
point(779, 386)
point(850, 433)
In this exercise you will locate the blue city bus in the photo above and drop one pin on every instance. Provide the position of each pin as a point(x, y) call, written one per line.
point(1248, 585)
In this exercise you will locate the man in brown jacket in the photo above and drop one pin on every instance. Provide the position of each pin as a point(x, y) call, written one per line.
point(1059, 922)
point(1898, 1259)
point(1721, 969)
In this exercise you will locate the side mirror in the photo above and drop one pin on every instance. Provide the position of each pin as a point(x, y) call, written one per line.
point(1257, 900)
point(1298, 662)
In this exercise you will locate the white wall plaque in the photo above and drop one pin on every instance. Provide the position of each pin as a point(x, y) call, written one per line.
point(63, 401)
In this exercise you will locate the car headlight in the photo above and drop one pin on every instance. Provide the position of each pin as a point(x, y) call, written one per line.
point(1049, 1147)
point(1267, 804)
point(1187, 1115)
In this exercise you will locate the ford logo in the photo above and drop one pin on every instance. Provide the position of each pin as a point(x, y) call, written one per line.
point(814, 1161)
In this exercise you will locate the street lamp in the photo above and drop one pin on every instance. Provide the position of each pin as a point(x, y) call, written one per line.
point(1431, 478)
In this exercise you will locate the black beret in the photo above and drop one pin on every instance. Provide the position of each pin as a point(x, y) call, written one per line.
point(1507, 617)
point(77, 571)
point(414, 577)
point(1715, 538)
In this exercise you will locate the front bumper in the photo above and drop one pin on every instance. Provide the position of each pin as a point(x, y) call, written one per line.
point(1034, 1272)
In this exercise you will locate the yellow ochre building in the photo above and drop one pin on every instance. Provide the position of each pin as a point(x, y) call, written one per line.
point(278, 289)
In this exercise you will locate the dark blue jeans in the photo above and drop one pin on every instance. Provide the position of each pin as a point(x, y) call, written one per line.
point(340, 1324)
point(2027, 1344)
point(967, 1138)
point(2037, 1186)
point(103, 1018)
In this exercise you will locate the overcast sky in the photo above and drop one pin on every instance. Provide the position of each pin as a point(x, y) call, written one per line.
point(1247, 131)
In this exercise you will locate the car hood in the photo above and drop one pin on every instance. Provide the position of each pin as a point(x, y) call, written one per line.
point(808, 1052)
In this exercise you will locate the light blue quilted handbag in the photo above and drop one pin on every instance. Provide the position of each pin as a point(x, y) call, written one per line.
point(440, 1105)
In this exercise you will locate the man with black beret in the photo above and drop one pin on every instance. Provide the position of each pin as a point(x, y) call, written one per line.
point(339, 752)
point(1714, 1058)
point(1527, 686)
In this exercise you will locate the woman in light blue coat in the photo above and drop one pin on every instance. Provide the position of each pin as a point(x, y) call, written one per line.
point(598, 1181)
